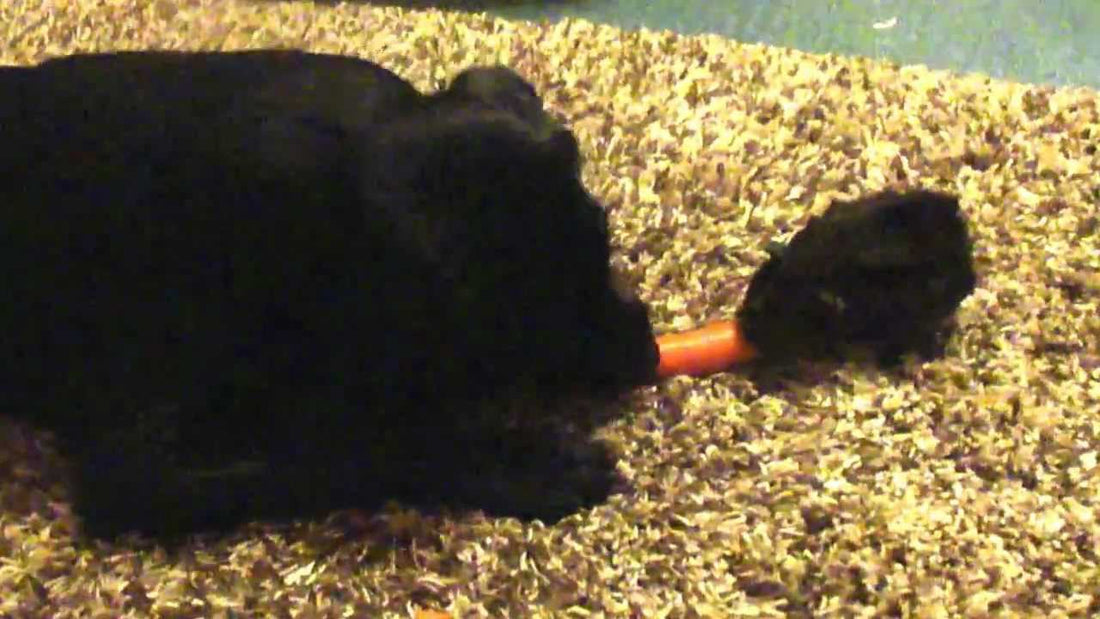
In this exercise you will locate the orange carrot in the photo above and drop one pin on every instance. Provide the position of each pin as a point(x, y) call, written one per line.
point(709, 349)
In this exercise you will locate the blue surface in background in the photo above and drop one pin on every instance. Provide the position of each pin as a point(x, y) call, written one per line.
point(1041, 41)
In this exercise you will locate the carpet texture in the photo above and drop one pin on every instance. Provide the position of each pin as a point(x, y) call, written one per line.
point(965, 486)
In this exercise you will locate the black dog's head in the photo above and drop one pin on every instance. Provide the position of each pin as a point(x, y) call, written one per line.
point(486, 186)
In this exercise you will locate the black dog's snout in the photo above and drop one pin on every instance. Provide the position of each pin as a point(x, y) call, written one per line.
point(622, 288)
point(628, 351)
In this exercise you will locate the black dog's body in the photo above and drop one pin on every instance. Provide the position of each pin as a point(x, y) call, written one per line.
point(279, 257)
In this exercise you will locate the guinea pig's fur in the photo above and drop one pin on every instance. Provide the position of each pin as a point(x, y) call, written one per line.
point(269, 259)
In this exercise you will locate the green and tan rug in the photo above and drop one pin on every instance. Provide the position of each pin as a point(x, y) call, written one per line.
point(967, 486)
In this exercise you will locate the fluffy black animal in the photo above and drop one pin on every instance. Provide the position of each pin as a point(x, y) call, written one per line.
point(263, 284)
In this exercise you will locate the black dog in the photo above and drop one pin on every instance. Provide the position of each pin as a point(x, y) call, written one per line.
point(250, 284)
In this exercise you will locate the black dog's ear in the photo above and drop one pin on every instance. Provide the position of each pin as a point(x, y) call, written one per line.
point(478, 171)
point(444, 178)
point(497, 86)
point(498, 89)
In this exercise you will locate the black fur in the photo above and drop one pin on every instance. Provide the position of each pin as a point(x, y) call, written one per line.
point(883, 273)
point(248, 284)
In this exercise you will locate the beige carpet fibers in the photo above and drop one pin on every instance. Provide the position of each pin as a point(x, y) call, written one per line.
point(967, 486)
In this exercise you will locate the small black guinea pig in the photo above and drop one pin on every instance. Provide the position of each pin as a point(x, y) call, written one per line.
point(277, 253)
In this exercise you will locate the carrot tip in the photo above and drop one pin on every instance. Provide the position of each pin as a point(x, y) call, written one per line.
point(707, 350)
